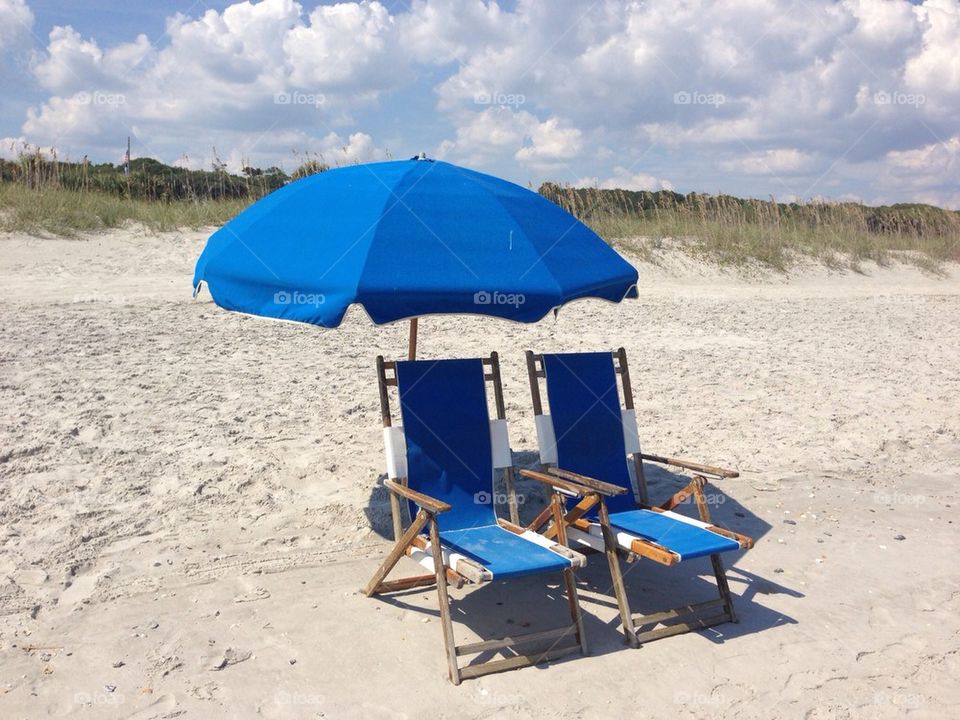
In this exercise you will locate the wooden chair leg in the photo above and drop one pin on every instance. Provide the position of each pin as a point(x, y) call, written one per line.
point(569, 580)
point(700, 497)
point(445, 621)
point(724, 587)
point(613, 559)
point(396, 517)
point(574, 601)
point(641, 479)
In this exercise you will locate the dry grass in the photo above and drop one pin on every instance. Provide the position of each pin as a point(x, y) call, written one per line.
point(67, 212)
point(722, 230)
point(732, 231)
point(839, 246)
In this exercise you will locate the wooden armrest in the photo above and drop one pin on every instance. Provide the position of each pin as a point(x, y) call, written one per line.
point(604, 488)
point(428, 503)
point(696, 467)
point(552, 481)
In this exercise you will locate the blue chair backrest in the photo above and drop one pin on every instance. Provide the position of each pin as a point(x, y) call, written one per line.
point(443, 404)
point(585, 407)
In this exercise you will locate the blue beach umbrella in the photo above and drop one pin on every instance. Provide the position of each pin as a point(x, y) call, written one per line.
point(404, 239)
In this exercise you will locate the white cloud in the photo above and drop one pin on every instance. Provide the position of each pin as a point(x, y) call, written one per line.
point(358, 147)
point(551, 141)
point(347, 47)
point(16, 24)
point(935, 69)
point(937, 157)
point(793, 91)
point(924, 174)
point(11, 148)
point(257, 80)
point(625, 179)
point(441, 31)
point(778, 161)
point(813, 97)
point(499, 132)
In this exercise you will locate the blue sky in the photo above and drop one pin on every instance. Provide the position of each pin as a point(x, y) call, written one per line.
point(846, 100)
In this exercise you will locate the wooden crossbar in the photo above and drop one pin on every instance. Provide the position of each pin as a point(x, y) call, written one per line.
point(512, 640)
point(745, 542)
point(540, 520)
point(406, 583)
point(679, 497)
point(680, 628)
point(517, 661)
point(574, 514)
point(676, 612)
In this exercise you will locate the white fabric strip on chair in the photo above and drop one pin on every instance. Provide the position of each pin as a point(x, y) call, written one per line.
point(450, 559)
point(500, 444)
point(577, 536)
point(594, 538)
point(552, 546)
point(395, 446)
point(546, 439)
point(425, 557)
point(684, 519)
point(631, 437)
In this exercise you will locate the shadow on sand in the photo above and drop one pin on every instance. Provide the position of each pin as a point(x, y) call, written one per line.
point(530, 604)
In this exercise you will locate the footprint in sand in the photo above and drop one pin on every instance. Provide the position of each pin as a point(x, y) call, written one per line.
point(84, 582)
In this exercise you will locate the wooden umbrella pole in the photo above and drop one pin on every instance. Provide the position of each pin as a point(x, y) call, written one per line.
point(412, 354)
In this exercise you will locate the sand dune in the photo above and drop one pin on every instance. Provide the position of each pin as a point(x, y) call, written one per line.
point(189, 499)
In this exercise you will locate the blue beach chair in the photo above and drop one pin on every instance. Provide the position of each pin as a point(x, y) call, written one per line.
point(442, 461)
point(585, 442)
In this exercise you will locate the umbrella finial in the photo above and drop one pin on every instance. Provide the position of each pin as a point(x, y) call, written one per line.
point(422, 156)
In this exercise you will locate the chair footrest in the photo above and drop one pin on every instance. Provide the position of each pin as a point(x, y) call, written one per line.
point(512, 640)
point(677, 612)
point(518, 661)
point(695, 624)
point(406, 583)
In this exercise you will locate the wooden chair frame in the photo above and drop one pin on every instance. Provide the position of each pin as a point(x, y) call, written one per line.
point(642, 628)
point(408, 541)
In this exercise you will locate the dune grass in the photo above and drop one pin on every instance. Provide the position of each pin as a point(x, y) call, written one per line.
point(842, 245)
point(718, 229)
point(738, 232)
point(64, 212)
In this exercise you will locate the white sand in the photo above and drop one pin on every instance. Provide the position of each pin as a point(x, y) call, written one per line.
point(182, 487)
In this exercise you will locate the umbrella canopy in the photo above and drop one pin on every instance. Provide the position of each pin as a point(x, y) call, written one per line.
point(403, 239)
